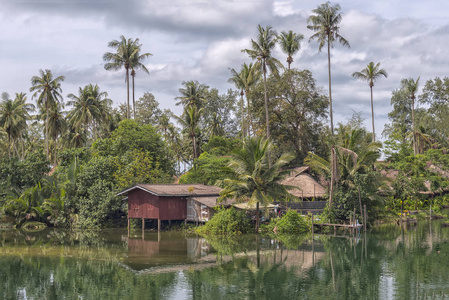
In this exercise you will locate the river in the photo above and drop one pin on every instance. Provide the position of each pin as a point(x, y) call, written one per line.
point(390, 262)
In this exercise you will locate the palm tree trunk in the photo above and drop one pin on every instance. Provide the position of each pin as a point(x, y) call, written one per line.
point(257, 217)
point(46, 127)
point(330, 89)
point(9, 146)
point(134, 102)
point(266, 99)
point(250, 125)
point(194, 146)
point(243, 114)
point(127, 93)
point(413, 125)
point(372, 114)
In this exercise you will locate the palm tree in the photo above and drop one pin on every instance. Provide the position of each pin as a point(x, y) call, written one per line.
point(261, 50)
point(13, 116)
point(238, 80)
point(56, 126)
point(124, 57)
point(325, 24)
point(370, 74)
point(254, 180)
point(192, 94)
point(136, 63)
point(411, 86)
point(190, 120)
point(47, 90)
point(290, 44)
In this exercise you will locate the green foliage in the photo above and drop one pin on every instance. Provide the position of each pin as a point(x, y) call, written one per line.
point(290, 223)
point(207, 171)
point(226, 221)
point(220, 146)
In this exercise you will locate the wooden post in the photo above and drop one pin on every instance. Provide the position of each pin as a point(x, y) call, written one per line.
point(360, 202)
point(353, 224)
point(129, 226)
point(365, 219)
point(158, 225)
point(312, 226)
point(430, 211)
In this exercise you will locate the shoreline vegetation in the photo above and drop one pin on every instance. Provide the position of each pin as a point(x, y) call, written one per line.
point(62, 163)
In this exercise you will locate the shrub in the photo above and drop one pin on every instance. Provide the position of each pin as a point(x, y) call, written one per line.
point(292, 222)
point(226, 221)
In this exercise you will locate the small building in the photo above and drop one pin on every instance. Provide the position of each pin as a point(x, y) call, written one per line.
point(307, 189)
point(168, 202)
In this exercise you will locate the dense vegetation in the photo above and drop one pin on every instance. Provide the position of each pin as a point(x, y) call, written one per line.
point(63, 164)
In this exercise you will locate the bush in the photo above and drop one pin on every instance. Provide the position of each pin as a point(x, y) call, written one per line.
point(226, 221)
point(291, 222)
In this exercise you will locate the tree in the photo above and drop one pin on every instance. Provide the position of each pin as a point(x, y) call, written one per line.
point(48, 92)
point(13, 116)
point(324, 23)
point(370, 74)
point(148, 111)
point(136, 63)
point(56, 126)
point(261, 49)
point(125, 57)
point(253, 180)
point(90, 106)
point(238, 80)
point(190, 120)
point(192, 94)
point(411, 86)
point(290, 44)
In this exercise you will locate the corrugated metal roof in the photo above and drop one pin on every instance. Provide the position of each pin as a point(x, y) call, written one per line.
point(183, 190)
point(212, 201)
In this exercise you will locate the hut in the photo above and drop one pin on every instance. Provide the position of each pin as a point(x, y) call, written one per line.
point(308, 189)
point(168, 202)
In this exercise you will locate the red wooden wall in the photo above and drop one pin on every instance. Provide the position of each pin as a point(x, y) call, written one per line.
point(142, 204)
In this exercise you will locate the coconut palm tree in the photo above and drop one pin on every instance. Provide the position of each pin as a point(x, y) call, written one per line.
point(324, 23)
point(411, 86)
point(190, 120)
point(290, 44)
point(90, 107)
point(136, 64)
point(124, 57)
point(192, 94)
point(261, 50)
point(47, 90)
point(370, 74)
point(254, 180)
point(13, 116)
point(56, 126)
point(238, 80)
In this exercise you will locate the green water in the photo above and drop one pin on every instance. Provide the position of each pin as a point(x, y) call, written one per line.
point(388, 263)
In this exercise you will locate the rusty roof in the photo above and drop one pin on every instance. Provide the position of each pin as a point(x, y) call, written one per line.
point(182, 190)
point(211, 201)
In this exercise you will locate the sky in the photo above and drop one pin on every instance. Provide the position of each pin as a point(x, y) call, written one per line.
point(202, 39)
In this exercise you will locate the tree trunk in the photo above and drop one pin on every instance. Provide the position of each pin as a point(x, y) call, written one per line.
point(413, 125)
point(372, 114)
point(46, 127)
point(133, 74)
point(330, 88)
point(250, 119)
point(243, 114)
point(266, 99)
point(127, 93)
point(257, 217)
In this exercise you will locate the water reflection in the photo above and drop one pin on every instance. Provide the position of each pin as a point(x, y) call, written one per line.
point(389, 263)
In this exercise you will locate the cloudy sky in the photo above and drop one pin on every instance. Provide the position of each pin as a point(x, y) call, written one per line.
point(201, 39)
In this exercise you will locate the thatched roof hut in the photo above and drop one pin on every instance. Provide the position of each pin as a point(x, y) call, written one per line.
point(308, 187)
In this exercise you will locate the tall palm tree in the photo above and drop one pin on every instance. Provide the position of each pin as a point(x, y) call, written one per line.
point(324, 23)
point(56, 126)
point(261, 49)
point(411, 86)
point(370, 74)
point(136, 64)
point(124, 57)
point(13, 116)
point(254, 180)
point(290, 44)
point(85, 109)
point(238, 80)
point(192, 94)
point(48, 92)
point(190, 120)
